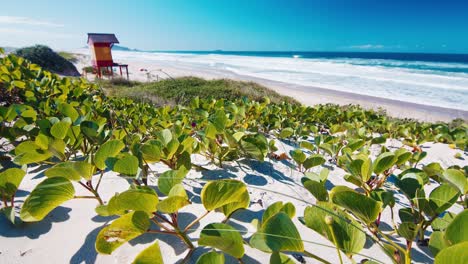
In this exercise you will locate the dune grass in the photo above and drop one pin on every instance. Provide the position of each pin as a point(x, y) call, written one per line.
point(182, 90)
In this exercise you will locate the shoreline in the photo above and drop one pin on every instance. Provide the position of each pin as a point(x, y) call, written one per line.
point(307, 95)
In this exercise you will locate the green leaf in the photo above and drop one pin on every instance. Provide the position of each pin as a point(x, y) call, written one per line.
point(165, 136)
point(455, 254)
point(349, 238)
point(141, 199)
point(169, 179)
point(278, 233)
point(242, 203)
point(150, 255)
point(10, 180)
point(223, 237)
point(314, 160)
point(280, 258)
point(28, 152)
point(177, 199)
point(317, 189)
point(437, 242)
point(286, 132)
point(298, 156)
point(441, 223)
point(442, 198)
point(216, 194)
point(457, 231)
point(409, 184)
point(128, 165)
point(408, 230)
point(211, 258)
point(150, 152)
point(125, 228)
point(273, 209)
point(72, 170)
point(109, 149)
point(60, 129)
point(365, 208)
point(384, 162)
point(47, 195)
point(457, 178)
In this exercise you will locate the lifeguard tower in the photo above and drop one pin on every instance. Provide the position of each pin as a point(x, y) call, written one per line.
point(100, 45)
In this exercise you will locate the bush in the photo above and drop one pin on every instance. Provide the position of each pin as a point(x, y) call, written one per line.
point(182, 90)
point(48, 59)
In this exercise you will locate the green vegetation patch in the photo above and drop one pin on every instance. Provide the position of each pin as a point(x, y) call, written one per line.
point(182, 90)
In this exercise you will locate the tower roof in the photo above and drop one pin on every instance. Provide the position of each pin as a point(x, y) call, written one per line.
point(102, 38)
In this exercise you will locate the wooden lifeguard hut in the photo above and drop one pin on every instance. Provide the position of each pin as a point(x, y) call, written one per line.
point(100, 45)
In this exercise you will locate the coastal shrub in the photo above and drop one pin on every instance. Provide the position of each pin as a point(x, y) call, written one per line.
point(183, 90)
point(77, 133)
point(48, 59)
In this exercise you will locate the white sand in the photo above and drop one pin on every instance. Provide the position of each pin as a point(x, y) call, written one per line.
point(68, 233)
point(305, 94)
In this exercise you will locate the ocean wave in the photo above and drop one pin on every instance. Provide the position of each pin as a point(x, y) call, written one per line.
point(412, 81)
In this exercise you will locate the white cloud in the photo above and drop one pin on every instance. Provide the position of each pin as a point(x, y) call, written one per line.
point(24, 32)
point(367, 46)
point(27, 21)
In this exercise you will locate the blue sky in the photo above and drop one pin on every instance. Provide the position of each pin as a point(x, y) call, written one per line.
point(314, 25)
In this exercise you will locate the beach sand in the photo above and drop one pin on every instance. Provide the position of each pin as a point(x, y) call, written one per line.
point(305, 94)
point(68, 233)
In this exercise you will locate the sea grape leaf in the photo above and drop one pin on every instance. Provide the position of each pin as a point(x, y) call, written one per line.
point(457, 231)
point(317, 189)
point(457, 178)
point(126, 165)
point(278, 233)
point(176, 199)
point(280, 258)
point(150, 152)
point(313, 160)
point(349, 238)
point(28, 152)
point(286, 132)
point(109, 149)
point(150, 255)
point(441, 223)
point(223, 237)
point(139, 199)
point(384, 162)
point(47, 195)
point(230, 208)
point(59, 130)
point(273, 209)
point(165, 136)
point(10, 180)
point(437, 242)
point(125, 228)
point(216, 194)
point(211, 258)
point(442, 198)
point(453, 255)
point(298, 156)
point(365, 208)
point(169, 178)
point(408, 230)
point(72, 170)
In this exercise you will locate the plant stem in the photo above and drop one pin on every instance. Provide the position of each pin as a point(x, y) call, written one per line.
point(96, 194)
point(160, 225)
point(335, 243)
point(161, 232)
point(310, 255)
point(196, 221)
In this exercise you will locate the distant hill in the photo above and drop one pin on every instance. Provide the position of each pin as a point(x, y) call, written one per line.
point(122, 48)
point(48, 59)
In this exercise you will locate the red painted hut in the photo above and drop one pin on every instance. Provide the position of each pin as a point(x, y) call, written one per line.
point(100, 45)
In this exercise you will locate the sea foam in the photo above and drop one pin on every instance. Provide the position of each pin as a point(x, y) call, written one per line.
point(432, 83)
